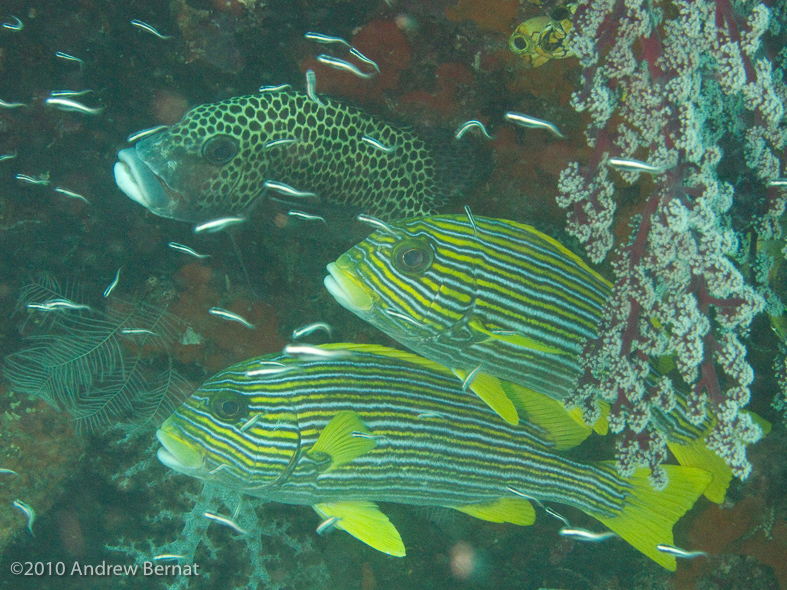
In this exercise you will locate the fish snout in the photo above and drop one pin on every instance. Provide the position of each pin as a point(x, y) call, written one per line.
point(346, 289)
point(178, 454)
point(140, 184)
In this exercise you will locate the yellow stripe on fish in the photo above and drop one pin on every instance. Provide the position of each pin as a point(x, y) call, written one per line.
point(499, 298)
point(381, 425)
point(477, 292)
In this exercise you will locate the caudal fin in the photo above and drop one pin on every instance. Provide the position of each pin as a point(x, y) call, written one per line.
point(649, 515)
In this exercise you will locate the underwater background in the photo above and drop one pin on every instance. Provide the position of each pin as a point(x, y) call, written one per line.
point(90, 471)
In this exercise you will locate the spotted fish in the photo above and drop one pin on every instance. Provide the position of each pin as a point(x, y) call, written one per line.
point(221, 158)
point(379, 425)
point(495, 298)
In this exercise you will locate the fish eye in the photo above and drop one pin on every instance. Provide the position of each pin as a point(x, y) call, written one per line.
point(412, 256)
point(229, 406)
point(519, 43)
point(219, 149)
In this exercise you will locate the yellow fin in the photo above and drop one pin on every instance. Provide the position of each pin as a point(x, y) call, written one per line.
point(663, 364)
point(513, 510)
point(365, 522)
point(512, 338)
point(601, 425)
point(648, 515)
point(697, 454)
point(759, 421)
point(337, 440)
point(490, 389)
point(551, 415)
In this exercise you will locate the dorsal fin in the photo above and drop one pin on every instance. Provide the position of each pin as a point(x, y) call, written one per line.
point(388, 352)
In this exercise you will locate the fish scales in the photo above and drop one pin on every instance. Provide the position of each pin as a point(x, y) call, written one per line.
point(432, 444)
point(216, 160)
point(505, 275)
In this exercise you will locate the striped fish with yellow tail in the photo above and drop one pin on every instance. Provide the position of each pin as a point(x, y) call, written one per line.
point(370, 424)
point(497, 301)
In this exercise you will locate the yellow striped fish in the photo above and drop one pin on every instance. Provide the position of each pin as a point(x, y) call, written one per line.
point(370, 424)
point(494, 299)
point(472, 292)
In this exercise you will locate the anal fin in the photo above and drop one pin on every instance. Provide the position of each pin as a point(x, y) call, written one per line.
point(514, 510)
point(551, 415)
point(365, 522)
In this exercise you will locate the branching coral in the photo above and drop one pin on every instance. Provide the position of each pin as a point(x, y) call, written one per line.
point(664, 82)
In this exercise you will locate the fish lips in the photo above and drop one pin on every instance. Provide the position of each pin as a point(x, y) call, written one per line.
point(135, 178)
point(346, 289)
point(179, 455)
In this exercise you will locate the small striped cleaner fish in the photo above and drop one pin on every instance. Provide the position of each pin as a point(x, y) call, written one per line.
point(382, 425)
point(491, 297)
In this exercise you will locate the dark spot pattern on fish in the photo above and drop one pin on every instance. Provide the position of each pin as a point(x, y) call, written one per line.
point(217, 159)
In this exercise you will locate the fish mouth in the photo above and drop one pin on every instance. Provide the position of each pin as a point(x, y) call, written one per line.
point(141, 184)
point(346, 288)
point(177, 454)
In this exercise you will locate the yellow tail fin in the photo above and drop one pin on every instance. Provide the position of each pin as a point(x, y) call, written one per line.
point(649, 515)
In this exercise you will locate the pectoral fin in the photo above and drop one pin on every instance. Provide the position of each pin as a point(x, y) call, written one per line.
point(365, 522)
point(490, 390)
point(512, 338)
point(514, 510)
point(549, 414)
point(343, 439)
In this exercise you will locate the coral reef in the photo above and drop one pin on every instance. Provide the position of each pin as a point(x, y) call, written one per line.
point(668, 85)
point(264, 567)
point(102, 367)
point(707, 250)
point(39, 453)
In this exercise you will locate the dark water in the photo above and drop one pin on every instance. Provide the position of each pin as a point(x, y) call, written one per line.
point(101, 502)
